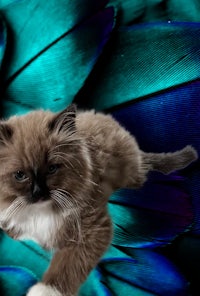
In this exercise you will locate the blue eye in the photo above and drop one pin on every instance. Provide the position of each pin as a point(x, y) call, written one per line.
point(20, 176)
point(52, 169)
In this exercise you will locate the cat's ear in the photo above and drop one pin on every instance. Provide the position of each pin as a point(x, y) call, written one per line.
point(64, 120)
point(6, 132)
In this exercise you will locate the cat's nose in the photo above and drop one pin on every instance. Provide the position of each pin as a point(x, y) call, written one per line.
point(38, 193)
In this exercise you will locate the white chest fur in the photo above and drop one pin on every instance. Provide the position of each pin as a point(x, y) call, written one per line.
point(38, 223)
point(42, 229)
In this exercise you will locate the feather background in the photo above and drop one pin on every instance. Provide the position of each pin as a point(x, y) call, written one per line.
point(52, 58)
point(139, 61)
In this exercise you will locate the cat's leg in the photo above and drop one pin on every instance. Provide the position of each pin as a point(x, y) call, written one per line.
point(71, 265)
point(69, 268)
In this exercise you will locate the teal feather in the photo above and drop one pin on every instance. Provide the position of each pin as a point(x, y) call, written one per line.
point(152, 216)
point(54, 63)
point(16, 279)
point(129, 271)
point(37, 24)
point(3, 39)
point(143, 72)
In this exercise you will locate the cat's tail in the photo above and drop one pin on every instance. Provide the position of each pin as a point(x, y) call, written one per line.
point(169, 162)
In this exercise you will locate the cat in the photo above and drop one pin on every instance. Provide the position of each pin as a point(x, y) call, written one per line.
point(57, 172)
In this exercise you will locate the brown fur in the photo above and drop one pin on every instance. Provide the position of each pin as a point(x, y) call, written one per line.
point(95, 156)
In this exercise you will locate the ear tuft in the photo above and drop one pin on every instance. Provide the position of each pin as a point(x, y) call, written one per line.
point(64, 120)
point(6, 132)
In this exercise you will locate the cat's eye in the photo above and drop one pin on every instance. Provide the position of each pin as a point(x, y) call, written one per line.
point(20, 176)
point(52, 169)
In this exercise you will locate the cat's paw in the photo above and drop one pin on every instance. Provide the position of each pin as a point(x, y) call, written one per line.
point(41, 289)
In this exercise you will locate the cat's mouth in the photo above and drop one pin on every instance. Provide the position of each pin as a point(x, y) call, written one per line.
point(38, 200)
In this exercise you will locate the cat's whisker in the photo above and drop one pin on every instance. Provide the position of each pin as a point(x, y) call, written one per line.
point(77, 225)
point(71, 141)
point(63, 155)
point(76, 160)
point(16, 208)
point(65, 192)
point(12, 208)
point(64, 196)
point(63, 203)
point(63, 199)
point(93, 183)
point(13, 212)
point(66, 202)
point(74, 219)
point(88, 203)
point(68, 144)
point(57, 201)
point(17, 205)
point(57, 155)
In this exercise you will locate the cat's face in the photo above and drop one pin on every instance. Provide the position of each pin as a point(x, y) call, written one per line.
point(44, 163)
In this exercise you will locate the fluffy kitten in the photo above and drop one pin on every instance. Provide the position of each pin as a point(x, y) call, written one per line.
point(57, 172)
